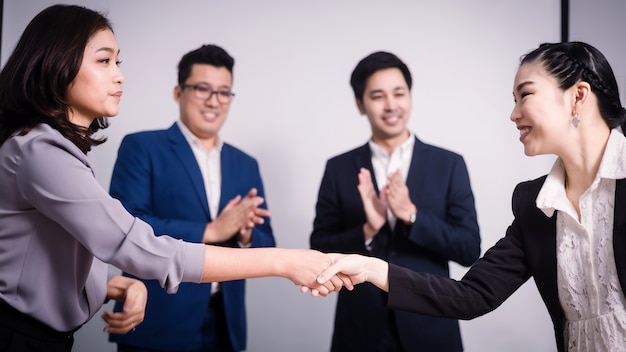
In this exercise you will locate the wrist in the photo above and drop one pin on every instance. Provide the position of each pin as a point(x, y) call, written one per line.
point(410, 220)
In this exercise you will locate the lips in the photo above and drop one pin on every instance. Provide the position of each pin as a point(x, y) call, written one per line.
point(209, 116)
point(524, 131)
point(392, 120)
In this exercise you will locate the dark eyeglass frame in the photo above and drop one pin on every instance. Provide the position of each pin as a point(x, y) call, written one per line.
point(201, 91)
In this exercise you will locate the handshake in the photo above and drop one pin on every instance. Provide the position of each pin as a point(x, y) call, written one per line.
point(343, 270)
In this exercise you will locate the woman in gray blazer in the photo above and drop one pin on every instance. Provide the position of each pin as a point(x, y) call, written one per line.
point(569, 230)
point(58, 227)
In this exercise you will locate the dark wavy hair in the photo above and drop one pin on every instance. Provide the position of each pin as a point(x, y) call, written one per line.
point(572, 62)
point(35, 80)
point(373, 63)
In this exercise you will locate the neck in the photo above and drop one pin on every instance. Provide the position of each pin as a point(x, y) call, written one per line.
point(583, 161)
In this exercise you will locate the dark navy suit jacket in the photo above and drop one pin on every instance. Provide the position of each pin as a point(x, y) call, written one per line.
point(445, 229)
point(157, 178)
point(527, 250)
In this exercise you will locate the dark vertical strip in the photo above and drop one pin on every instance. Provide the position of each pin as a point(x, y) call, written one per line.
point(1, 16)
point(564, 21)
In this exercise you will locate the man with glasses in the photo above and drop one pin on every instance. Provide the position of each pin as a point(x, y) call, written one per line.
point(187, 182)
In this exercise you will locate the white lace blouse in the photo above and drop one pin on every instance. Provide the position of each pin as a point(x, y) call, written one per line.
point(588, 286)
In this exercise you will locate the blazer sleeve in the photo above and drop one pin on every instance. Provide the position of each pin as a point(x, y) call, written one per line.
point(262, 234)
point(486, 285)
point(132, 183)
point(448, 227)
point(339, 215)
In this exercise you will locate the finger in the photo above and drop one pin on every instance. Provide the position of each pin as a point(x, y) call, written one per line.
point(328, 273)
point(261, 212)
point(258, 221)
point(119, 323)
point(252, 193)
point(330, 285)
point(258, 201)
point(347, 283)
point(323, 290)
point(232, 203)
point(337, 283)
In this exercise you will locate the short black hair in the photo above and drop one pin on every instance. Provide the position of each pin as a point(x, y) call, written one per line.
point(208, 54)
point(373, 63)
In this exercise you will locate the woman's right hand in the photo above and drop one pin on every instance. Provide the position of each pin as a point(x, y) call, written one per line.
point(358, 269)
point(304, 268)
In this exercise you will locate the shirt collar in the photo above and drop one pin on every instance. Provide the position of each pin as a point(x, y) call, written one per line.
point(379, 151)
point(552, 194)
point(193, 140)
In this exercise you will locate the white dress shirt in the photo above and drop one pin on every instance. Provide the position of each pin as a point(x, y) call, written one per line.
point(385, 164)
point(211, 168)
point(588, 286)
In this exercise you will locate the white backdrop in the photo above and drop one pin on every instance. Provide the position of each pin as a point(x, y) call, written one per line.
point(294, 109)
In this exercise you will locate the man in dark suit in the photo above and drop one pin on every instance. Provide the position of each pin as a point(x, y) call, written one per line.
point(187, 183)
point(398, 199)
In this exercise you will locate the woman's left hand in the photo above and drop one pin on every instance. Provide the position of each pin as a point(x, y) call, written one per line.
point(134, 294)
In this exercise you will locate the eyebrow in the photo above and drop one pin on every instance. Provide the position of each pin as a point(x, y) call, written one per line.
point(522, 85)
point(375, 91)
point(107, 49)
point(203, 83)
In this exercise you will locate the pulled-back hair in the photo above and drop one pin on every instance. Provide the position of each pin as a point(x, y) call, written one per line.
point(205, 55)
point(373, 63)
point(572, 62)
point(35, 80)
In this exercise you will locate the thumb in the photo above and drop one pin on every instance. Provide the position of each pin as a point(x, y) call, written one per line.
point(327, 273)
point(129, 303)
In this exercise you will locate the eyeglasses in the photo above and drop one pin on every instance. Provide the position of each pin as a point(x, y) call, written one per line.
point(205, 93)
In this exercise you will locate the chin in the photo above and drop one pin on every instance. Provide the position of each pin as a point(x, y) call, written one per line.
point(529, 152)
point(110, 113)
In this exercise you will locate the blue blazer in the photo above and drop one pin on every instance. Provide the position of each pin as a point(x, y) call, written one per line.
point(157, 178)
point(445, 229)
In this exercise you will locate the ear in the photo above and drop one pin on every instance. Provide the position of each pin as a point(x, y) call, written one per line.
point(177, 92)
point(359, 104)
point(582, 90)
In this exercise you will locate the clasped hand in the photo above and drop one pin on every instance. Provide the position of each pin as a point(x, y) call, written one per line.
point(394, 195)
point(238, 218)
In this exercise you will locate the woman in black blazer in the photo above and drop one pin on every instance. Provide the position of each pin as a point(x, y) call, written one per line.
point(569, 230)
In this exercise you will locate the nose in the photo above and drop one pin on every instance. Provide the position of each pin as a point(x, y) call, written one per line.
point(390, 103)
point(119, 76)
point(516, 114)
point(212, 100)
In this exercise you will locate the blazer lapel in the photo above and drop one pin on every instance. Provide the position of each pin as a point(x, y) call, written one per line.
point(363, 159)
point(181, 149)
point(414, 177)
point(230, 179)
point(619, 231)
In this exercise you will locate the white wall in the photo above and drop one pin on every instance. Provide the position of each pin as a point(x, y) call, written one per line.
point(601, 23)
point(294, 109)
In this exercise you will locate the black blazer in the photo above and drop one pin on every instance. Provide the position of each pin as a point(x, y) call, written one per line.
point(527, 250)
point(445, 229)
